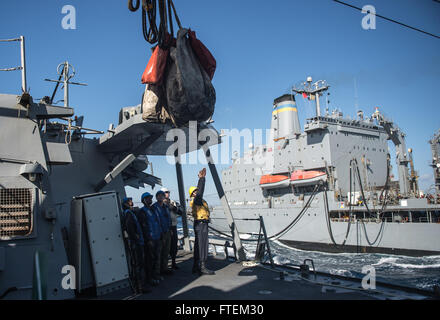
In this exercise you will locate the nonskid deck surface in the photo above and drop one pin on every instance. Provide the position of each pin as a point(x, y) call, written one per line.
point(234, 281)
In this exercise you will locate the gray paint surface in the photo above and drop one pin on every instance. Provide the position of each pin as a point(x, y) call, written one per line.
point(329, 143)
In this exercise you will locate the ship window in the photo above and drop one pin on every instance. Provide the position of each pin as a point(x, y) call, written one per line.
point(15, 212)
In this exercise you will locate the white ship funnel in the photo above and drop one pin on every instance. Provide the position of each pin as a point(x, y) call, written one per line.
point(285, 119)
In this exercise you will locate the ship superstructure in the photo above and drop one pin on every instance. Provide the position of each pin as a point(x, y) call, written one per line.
point(61, 189)
point(329, 186)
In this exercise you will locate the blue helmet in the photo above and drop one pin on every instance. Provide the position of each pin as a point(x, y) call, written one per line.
point(146, 194)
point(160, 192)
point(126, 199)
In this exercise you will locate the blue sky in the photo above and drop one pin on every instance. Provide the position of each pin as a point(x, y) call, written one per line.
point(262, 48)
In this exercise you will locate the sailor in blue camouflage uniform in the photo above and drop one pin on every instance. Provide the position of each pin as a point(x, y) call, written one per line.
point(135, 238)
point(165, 222)
point(152, 237)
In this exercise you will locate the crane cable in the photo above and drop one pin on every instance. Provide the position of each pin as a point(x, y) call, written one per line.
point(151, 32)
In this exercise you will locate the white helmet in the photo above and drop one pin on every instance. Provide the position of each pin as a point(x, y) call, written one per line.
point(164, 190)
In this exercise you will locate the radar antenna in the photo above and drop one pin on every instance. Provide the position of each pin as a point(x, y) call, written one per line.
point(312, 91)
point(66, 71)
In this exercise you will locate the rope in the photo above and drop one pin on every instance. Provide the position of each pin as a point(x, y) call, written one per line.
point(150, 33)
point(150, 30)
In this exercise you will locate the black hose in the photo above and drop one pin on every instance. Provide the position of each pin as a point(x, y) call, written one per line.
point(350, 213)
point(298, 217)
point(131, 7)
point(283, 231)
point(329, 227)
point(366, 206)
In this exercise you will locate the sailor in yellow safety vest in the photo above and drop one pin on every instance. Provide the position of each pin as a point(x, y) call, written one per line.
point(200, 212)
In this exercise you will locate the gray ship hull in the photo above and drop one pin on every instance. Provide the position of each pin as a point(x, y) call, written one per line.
point(312, 232)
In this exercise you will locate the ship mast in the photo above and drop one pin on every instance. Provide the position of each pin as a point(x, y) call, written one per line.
point(435, 164)
point(65, 72)
point(312, 91)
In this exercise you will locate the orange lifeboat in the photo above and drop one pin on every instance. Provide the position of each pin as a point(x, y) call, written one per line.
point(269, 181)
point(303, 178)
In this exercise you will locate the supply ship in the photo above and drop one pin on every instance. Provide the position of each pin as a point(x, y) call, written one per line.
point(329, 187)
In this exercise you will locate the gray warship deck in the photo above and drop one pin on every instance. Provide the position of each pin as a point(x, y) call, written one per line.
point(232, 281)
point(238, 281)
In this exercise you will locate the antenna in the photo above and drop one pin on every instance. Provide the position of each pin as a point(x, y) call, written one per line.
point(67, 71)
point(356, 98)
point(355, 95)
point(312, 90)
point(23, 62)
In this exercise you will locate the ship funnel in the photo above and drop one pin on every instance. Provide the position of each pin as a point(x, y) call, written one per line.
point(285, 119)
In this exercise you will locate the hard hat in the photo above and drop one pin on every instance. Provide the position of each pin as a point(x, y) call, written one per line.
point(191, 190)
point(165, 190)
point(160, 192)
point(146, 194)
point(126, 199)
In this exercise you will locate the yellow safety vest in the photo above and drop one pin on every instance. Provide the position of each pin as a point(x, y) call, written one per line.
point(199, 212)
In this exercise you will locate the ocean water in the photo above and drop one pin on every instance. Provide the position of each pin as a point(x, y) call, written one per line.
point(418, 272)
